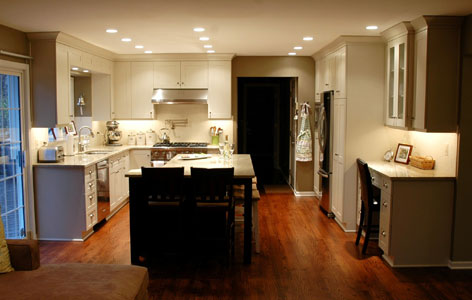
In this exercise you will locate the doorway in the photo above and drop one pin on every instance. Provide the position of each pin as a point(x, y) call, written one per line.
point(264, 127)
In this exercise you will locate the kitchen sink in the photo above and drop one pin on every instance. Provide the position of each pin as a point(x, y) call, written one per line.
point(98, 151)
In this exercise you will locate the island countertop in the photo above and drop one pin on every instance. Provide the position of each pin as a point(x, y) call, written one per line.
point(242, 164)
point(397, 171)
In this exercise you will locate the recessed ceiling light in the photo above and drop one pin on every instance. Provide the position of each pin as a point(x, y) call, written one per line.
point(372, 27)
point(211, 51)
point(292, 53)
point(85, 71)
point(139, 46)
point(204, 38)
point(298, 47)
point(75, 69)
point(148, 51)
point(308, 38)
point(111, 30)
point(207, 46)
point(126, 40)
point(199, 29)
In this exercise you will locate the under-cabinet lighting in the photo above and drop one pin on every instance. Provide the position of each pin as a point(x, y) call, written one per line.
point(75, 69)
point(292, 53)
point(85, 71)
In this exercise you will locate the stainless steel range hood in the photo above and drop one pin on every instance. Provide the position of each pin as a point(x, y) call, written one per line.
point(180, 96)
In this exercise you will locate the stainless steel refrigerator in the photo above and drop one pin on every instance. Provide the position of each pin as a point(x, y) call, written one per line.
point(325, 139)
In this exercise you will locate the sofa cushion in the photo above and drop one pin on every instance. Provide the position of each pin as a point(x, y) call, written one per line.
point(5, 265)
point(76, 281)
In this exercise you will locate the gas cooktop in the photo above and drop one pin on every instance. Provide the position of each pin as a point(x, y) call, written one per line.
point(180, 145)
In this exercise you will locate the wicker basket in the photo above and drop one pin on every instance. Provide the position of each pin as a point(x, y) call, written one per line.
point(422, 162)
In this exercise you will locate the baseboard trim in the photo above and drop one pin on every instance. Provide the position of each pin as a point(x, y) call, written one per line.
point(61, 240)
point(317, 193)
point(460, 265)
point(304, 194)
point(342, 226)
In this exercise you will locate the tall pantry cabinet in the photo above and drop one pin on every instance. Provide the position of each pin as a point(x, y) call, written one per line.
point(353, 68)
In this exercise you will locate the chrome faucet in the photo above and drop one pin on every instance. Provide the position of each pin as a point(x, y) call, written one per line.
point(82, 143)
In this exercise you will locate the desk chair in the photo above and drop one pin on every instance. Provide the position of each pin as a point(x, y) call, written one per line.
point(370, 203)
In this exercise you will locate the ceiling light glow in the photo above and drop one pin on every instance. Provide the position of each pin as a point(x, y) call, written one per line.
point(111, 30)
point(372, 27)
point(148, 51)
point(298, 47)
point(126, 40)
point(292, 53)
point(308, 38)
point(199, 29)
point(207, 46)
point(204, 38)
point(139, 46)
point(211, 51)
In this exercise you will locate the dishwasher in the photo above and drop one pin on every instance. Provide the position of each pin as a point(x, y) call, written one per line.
point(103, 190)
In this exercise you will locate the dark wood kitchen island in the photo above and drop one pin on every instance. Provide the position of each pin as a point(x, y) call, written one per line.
point(243, 174)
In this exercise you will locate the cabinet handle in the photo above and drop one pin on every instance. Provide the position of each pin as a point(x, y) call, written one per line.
point(326, 84)
point(337, 91)
point(150, 113)
point(385, 204)
point(384, 234)
point(386, 185)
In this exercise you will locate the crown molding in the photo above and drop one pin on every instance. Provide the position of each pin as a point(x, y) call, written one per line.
point(344, 40)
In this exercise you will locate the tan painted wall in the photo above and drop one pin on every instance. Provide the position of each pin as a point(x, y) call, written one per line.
point(261, 66)
point(462, 236)
point(13, 41)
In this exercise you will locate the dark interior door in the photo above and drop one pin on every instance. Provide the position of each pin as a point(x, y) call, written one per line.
point(264, 126)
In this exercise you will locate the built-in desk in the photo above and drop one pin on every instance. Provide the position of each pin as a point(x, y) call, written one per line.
point(416, 214)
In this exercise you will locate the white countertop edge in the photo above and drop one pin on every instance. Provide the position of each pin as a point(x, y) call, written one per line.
point(397, 171)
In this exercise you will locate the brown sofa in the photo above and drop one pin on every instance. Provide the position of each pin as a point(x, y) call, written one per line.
point(68, 281)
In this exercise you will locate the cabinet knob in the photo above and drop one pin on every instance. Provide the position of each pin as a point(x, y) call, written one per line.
point(178, 83)
point(91, 215)
point(373, 179)
point(90, 197)
point(183, 83)
point(90, 172)
point(385, 185)
point(384, 233)
point(384, 204)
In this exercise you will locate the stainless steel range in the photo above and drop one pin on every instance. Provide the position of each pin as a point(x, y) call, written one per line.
point(163, 152)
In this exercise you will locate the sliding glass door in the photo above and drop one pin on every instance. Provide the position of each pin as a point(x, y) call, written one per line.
point(12, 160)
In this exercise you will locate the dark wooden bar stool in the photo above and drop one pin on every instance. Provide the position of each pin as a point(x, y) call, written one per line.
point(370, 203)
point(213, 205)
point(163, 208)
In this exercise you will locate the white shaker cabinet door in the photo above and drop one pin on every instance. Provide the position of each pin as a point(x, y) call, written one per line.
point(167, 74)
point(219, 91)
point(122, 90)
point(141, 90)
point(340, 77)
point(64, 116)
point(194, 74)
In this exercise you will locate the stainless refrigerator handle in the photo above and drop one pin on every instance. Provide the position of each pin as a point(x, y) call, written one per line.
point(323, 174)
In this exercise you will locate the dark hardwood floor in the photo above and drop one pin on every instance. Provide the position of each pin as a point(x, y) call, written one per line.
point(304, 255)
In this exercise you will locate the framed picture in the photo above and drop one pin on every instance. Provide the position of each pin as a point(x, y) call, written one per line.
point(403, 153)
point(70, 128)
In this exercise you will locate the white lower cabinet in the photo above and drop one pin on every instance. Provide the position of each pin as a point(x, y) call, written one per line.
point(139, 158)
point(119, 184)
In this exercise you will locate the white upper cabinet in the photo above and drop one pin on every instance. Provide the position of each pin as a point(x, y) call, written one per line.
point(436, 73)
point(50, 82)
point(340, 74)
point(219, 91)
point(399, 77)
point(185, 74)
point(122, 91)
point(318, 81)
point(167, 74)
point(194, 74)
point(141, 90)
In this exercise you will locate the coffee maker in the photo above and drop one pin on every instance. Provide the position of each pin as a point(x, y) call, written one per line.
point(113, 134)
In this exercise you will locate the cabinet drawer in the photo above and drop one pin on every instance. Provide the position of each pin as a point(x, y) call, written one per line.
point(377, 179)
point(384, 224)
point(386, 184)
point(90, 201)
point(90, 187)
point(91, 217)
point(90, 174)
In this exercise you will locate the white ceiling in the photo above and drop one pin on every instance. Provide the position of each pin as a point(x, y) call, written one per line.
point(244, 27)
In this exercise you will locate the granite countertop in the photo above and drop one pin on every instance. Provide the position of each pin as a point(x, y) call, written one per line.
point(396, 171)
point(85, 160)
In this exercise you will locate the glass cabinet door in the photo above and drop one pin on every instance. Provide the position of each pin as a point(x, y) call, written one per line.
point(396, 83)
point(391, 83)
point(401, 85)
